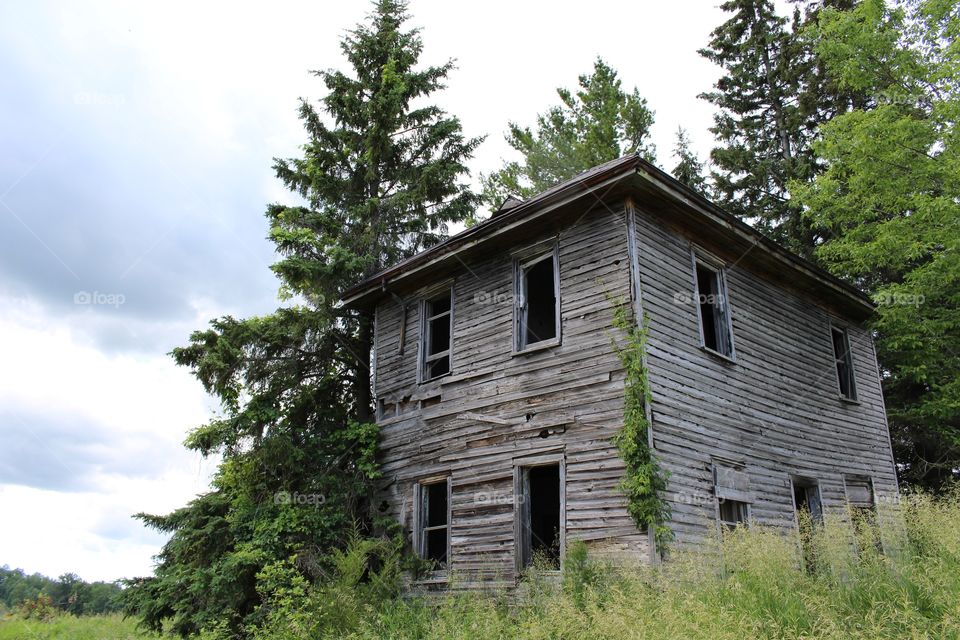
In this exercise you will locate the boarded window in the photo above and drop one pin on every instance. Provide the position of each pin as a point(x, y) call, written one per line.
point(714, 310)
point(437, 334)
point(540, 516)
point(842, 356)
point(863, 511)
point(732, 488)
point(538, 308)
point(433, 525)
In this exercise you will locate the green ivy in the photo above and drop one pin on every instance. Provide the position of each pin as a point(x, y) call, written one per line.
point(644, 481)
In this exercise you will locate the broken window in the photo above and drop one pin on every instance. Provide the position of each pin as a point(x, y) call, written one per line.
point(713, 309)
point(433, 525)
point(731, 485)
point(842, 357)
point(863, 511)
point(437, 333)
point(537, 297)
point(540, 516)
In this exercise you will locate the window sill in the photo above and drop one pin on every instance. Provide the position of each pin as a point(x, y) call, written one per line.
point(847, 400)
point(436, 379)
point(432, 578)
point(538, 346)
point(719, 356)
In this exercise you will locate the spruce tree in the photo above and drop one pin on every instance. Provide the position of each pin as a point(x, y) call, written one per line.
point(763, 140)
point(689, 169)
point(381, 176)
point(598, 123)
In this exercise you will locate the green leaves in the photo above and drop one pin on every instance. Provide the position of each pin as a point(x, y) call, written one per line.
point(889, 200)
point(598, 123)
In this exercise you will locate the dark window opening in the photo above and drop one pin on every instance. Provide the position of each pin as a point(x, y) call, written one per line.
point(540, 526)
point(841, 355)
point(732, 513)
point(714, 323)
point(863, 512)
point(806, 497)
point(434, 524)
point(539, 303)
point(437, 337)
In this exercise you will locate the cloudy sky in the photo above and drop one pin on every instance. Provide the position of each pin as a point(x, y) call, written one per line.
point(135, 151)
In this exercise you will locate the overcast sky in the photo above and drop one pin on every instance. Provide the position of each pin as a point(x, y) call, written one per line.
point(135, 151)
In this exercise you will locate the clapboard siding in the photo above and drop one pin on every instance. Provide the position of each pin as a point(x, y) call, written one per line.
point(775, 408)
point(575, 387)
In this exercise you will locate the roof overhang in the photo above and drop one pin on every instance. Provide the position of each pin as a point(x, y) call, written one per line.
point(654, 192)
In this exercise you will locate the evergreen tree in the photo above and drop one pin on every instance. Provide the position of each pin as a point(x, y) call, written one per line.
point(380, 179)
point(889, 200)
point(689, 169)
point(762, 133)
point(598, 123)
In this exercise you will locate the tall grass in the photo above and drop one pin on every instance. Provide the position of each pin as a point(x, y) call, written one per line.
point(69, 627)
point(749, 583)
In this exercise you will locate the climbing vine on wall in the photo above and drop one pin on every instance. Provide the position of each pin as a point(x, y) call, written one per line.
point(644, 481)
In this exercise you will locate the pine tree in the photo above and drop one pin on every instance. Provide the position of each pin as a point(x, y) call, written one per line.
point(380, 179)
point(689, 169)
point(598, 123)
point(763, 137)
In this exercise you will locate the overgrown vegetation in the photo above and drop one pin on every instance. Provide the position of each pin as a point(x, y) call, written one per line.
point(751, 583)
point(67, 627)
point(644, 481)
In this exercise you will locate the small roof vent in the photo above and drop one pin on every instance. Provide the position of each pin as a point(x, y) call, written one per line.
point(509, 204)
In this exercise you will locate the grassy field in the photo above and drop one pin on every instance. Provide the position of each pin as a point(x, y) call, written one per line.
point(66, 627)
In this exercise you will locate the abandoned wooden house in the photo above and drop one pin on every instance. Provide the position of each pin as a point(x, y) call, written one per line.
point(499, 391)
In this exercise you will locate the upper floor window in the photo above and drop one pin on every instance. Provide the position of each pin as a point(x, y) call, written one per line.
point(436, 336)
point(713, 309)
point(844, 362)
point(538, 301)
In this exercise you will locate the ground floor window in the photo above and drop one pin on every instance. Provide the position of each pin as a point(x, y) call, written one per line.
point(432, 527)
point(731, 486)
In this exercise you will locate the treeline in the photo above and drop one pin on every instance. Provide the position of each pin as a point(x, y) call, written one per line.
point(67, 593)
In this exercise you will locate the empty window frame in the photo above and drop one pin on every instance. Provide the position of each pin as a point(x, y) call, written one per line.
point(432, 527)
point(540, 525)
point(808, 509)
point(713, 308)
point(731, 485)
point(436, 336)
point(537, 288)
point(844, 362)
point(863, 510)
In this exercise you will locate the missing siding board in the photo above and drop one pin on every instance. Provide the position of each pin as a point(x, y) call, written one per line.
point(713, 308)
point(844, 362)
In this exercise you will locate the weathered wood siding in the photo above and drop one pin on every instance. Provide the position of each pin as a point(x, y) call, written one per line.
point(574, 389)
point(776, 409)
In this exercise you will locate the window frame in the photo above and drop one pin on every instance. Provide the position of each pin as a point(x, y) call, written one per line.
point(420, 516)
point(848, 362)
point(520, 309)
point(521, 508)
point(807, 483)
point(425, 358)
point(700, 259)
point(725, 495)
